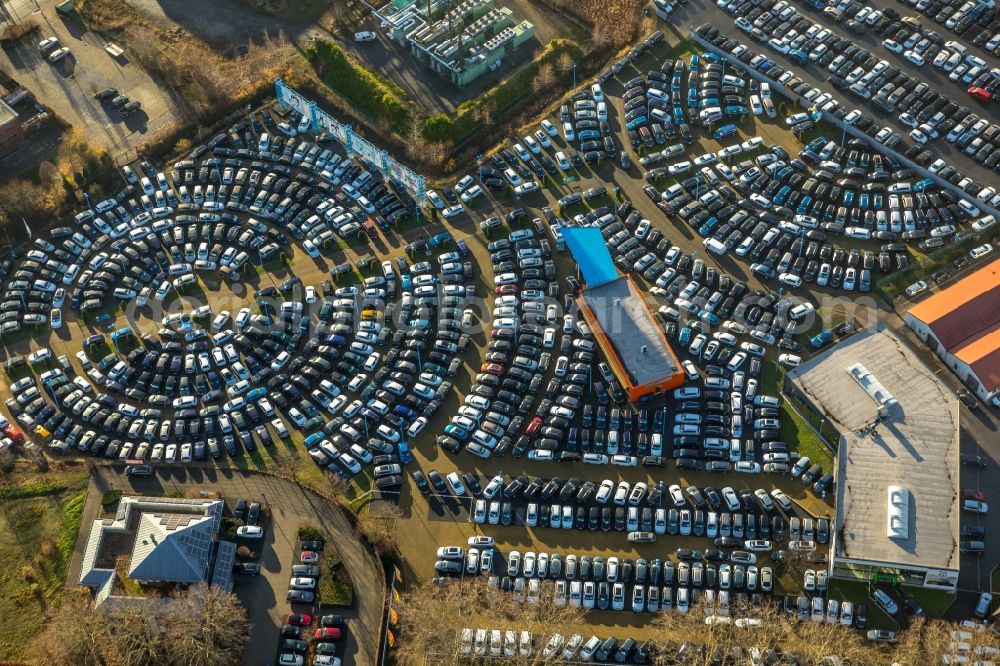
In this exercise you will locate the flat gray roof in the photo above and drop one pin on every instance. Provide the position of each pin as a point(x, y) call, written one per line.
point(626, 322)
point(915, 446)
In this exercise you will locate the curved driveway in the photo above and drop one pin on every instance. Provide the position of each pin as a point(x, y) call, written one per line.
point(291, 505)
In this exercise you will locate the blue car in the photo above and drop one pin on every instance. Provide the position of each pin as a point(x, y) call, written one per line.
point(438, 239)
point(820, 339)
point(405, 456)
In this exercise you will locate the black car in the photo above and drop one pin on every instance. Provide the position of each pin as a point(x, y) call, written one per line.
point(106, 94)
point(861, 617)
point(240, 511)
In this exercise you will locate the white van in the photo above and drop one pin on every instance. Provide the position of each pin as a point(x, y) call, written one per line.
point(714, 246)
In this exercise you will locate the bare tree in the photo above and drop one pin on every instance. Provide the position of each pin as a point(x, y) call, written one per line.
point(564, 63)
point(207, 627)
point(545, 77)
point(75, 634)
point(472, 604)
point(378, 525)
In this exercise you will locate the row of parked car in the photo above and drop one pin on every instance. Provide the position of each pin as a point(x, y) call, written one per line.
point(497, 644)
point(294, 645)
point(928, 112)
point(224, 377)
point(964, 18)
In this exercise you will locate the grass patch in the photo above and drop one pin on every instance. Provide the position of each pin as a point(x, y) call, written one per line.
point(370, 93)
point(857, 593)
point(934, 602)
point(794, 428)
point(335, 586)
point(39, 523)
point(517, 87)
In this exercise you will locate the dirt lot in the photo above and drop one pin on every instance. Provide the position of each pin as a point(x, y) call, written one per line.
point(68, 87)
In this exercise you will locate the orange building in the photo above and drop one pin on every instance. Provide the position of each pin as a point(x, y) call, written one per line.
point(962, 325)
point(631, 339)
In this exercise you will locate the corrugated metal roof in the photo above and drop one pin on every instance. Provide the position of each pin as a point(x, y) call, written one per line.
point(965, 310)
point(591, 254)
point(965, 318)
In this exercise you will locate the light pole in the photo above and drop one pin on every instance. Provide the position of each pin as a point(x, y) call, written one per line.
point(250, 119)
point(574, 75)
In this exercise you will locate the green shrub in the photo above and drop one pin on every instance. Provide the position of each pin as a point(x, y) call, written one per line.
point(366, 90)
point(309, 533)
point(438, 128)
point(110, 497)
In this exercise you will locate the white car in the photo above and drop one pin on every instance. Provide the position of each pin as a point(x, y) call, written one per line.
point(453, 211)
point(790, 280)
point(471, 193)
point(916, 288)
point(364, 36)
point(892, 45)
point(59, 54)
point(917, 135)
point(791, 360)
point(435, 199)
point(526, 188)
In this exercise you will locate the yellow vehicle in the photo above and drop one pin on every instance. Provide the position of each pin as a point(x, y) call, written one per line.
point(42, 432)
point(370, 314)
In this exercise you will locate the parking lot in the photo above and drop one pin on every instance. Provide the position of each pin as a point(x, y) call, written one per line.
point(816, 73)
point(463, 351)
point(68, 86)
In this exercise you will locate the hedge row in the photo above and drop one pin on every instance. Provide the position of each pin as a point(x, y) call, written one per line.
point(368, 92)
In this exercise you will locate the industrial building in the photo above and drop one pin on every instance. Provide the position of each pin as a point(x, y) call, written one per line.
point(620, 320)
point(165, 541)
point(897, 465)
point(459, 39)
point(961, 324)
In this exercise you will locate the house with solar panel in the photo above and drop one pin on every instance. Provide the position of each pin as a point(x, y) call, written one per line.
point(158, 542)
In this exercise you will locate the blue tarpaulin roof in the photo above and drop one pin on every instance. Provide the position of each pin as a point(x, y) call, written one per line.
point(591, 254)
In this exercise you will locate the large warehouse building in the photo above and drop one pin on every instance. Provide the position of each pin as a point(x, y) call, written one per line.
point(961, 324)
point(623, 325)
point(897, 466)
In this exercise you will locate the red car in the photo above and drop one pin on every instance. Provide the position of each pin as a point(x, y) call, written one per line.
point(981, 95)
point(492, 368)
point(298, 619)
point(533, 427)
point(14, 433)
point(328, 634)
point(505, 289)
